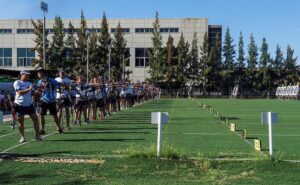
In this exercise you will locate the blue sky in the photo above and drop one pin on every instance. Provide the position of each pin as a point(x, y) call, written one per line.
point(277, 20)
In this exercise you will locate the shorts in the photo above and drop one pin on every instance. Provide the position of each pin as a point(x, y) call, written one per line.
point(63, 102)
point(80, 104)
point(24, 110)
point(100, 103)
point(48, 106)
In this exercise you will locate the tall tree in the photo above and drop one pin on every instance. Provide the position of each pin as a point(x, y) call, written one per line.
point(81, 52)
point(265, 70)
point(156, 53)
point(38, 31)
point(120, 54)
point(227, 73)
point(241, 54)
point(182, 61)
point(278, 61)
point(252, 53)
point(204, 60)
point(93, 52)
point(70, 45)
point(228, 51)
point(105, 45)
point(170, 62)
point(57, 57)
point(265, 58)
point(290, 61)
point(193, 65)
point(290, 68)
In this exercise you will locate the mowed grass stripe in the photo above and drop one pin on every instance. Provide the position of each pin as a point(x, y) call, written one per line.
point(132, 128)
point(246, 114)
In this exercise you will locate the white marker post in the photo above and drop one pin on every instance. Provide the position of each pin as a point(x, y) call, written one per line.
point(270, 118)
point(159, 118)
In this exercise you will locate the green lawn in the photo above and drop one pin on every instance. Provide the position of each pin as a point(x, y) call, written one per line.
point(247, 114)
point(193, 138)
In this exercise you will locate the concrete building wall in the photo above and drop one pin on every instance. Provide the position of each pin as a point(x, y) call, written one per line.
point(187, 26)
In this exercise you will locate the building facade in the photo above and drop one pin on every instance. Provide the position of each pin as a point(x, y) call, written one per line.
point(17, 39)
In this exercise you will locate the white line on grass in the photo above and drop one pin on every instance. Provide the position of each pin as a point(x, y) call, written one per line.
point(278, 135)
point(21, 144)
point(14, 133)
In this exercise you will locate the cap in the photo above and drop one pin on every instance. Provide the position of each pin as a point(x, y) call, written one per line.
point(23, 72)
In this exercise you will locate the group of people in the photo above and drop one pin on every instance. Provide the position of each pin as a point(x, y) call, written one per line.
point(71, 99)
point(288, 92)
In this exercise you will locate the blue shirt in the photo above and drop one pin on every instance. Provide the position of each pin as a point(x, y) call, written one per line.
point(49, 92)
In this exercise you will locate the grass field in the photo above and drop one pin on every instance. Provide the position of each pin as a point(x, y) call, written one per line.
point(194, 142)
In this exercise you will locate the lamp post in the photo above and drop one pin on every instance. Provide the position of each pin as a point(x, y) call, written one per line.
point(44, 8)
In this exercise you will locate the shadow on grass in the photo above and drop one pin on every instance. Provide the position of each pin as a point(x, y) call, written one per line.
point(130, 128)
point(16, 155)
point(105, 132)
point(85, 140)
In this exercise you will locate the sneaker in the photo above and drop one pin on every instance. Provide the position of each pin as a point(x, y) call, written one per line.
point(87, 121)
point(42, 132)
point(38, 138)
point(60, 131)
point(22, 140)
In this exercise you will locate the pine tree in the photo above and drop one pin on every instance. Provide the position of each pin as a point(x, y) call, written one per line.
point(265, 58)
point(290, 68)
point(70, 45)
point(57, 46)
point(182, 61)
point(251, 80)
point(81, 52)
point(170, 70)
point(193, 65)
point(105, 45)
point(252, 53)
point(228, 51)
point(156, 53)
point(278, 62)
point(204, 60)
point(264, 73)
point(227, 73)
point(93, 53)
point(119, 53)
point(241, 55)
point(290, 61)
point(38, 31)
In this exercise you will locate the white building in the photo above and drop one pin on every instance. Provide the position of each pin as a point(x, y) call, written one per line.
point(17, 39)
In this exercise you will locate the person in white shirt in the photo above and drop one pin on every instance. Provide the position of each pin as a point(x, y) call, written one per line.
point(63, 96)
point(23, 105)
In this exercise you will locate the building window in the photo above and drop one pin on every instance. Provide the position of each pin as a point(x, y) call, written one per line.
point(5, 31)
point(24, 31)
point(124, 30)
point(169, 30)
point(143, 30)
point(6, 57)
point(25, 57)
point(141, 57)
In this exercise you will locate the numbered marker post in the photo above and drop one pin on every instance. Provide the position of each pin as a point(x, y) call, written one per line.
point(269, 118)
point(159, 118)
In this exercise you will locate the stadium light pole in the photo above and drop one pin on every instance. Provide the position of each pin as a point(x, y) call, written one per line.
point(44, 8)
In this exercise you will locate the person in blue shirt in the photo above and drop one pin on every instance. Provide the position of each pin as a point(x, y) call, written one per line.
point(47, 87)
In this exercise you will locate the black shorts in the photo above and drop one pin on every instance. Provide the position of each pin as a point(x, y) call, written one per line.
point(80, 104)
point(100, 103)
point(48, 106)
point(63, 102)
point(24, 110)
